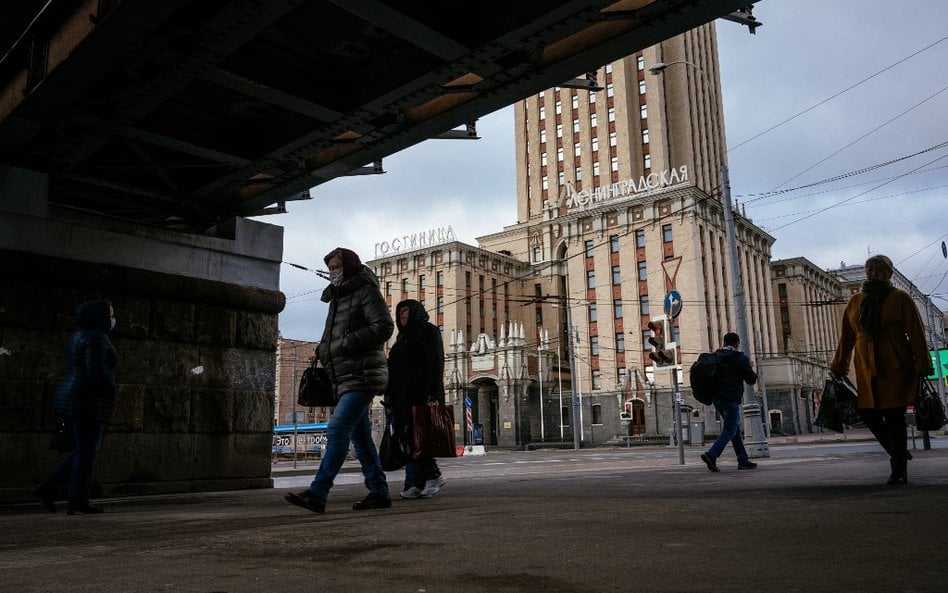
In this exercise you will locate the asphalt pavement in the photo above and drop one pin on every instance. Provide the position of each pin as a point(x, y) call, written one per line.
point(815, 516)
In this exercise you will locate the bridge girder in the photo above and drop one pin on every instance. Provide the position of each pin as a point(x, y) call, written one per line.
point(184, 113)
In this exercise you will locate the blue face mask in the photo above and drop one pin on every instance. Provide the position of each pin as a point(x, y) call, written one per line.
point(335, 277)
point(111, 323)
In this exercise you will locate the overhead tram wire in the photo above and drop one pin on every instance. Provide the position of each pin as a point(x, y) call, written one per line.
point(847, 200)
point(321, 273)
point(870, 132)
point(932, 293)
point(844, 187)
point(873, 199)
point(761, 196)
point(903, 260)
point(831, 97)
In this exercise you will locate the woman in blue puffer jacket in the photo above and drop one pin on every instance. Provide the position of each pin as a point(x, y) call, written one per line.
point(85, 400)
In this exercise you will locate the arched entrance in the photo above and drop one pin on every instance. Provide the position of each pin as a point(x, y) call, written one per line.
point(637, 424)
point(484, 408)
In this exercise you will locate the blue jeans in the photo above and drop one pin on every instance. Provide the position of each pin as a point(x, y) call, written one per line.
point(730, 431)
point(350, 423)
point(76, 466)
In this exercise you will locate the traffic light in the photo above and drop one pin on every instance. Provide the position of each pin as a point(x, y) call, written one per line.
point(661, 355)
point(626, 413)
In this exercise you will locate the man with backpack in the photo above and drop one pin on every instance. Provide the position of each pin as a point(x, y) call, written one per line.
point(733, 369)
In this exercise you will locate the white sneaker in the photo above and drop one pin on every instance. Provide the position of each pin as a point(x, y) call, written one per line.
point(432, 487)
point(413, 492)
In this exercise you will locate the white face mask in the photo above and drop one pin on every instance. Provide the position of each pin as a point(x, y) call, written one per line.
point(335, 277)
point(111, 323)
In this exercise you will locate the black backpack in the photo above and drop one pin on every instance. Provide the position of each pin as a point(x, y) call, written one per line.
point(703, 377)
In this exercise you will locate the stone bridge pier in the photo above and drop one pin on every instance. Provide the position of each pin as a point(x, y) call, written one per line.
point(196, 336)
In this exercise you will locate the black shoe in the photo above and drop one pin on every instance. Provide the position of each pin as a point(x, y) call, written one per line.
point(895, 480)
point(47, 495)
point(899, 473)
point(747, 465)
point(86, 509)
point(307, 500)
point(375, 500)
point(711, 463)
point(908, 455)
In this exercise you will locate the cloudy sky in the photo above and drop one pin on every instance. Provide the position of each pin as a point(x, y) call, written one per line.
point(835, 113)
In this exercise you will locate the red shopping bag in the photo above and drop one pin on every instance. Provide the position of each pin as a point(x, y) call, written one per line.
point(433, 431)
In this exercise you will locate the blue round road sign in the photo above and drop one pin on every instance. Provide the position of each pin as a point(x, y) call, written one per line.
point(672, 303)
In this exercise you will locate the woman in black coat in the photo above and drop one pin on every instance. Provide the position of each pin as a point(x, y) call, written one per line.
point(85, 400)
point(415, 377)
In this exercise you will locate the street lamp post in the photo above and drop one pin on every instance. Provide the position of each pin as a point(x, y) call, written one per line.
point(754, 436)
point(574, 401)
point(559, 369)
point(295, 425)
point(542, 346)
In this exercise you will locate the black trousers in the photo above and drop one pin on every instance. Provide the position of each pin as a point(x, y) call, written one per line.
point(422, 469)
point(888, 426)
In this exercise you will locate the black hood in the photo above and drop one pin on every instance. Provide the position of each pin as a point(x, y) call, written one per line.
point(416, 313)
point(94, 315)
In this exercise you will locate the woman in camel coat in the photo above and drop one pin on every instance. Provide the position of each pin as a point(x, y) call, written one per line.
point(883, 332)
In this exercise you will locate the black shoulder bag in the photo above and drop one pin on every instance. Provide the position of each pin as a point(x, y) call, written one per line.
point(929, 411)
point(316, 389)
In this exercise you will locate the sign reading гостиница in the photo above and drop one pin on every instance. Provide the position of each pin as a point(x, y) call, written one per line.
point(420, 240)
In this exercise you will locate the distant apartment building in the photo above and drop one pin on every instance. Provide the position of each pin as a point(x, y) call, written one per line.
point(806, 304)
point(293, 356)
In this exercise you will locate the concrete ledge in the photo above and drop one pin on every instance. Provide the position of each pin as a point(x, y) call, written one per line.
point(238, 251)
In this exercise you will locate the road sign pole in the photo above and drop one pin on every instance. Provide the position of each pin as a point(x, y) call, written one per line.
point(677, 391)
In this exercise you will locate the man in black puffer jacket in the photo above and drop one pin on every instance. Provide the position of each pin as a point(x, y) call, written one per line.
point(734, 369)
point(84, 400)
point(351, 349)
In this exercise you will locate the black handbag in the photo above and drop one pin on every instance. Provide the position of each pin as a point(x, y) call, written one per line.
point(838, 406)
point(316, 389)
point(395, 450)
point(433, 431)
point(929, 411)
point(62, 439)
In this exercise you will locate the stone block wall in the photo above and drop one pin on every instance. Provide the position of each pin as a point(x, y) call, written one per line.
point(195, 376)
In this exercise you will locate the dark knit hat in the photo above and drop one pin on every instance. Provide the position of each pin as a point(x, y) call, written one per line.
point(731, 339)
point(883, 261)
point(351, 264)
